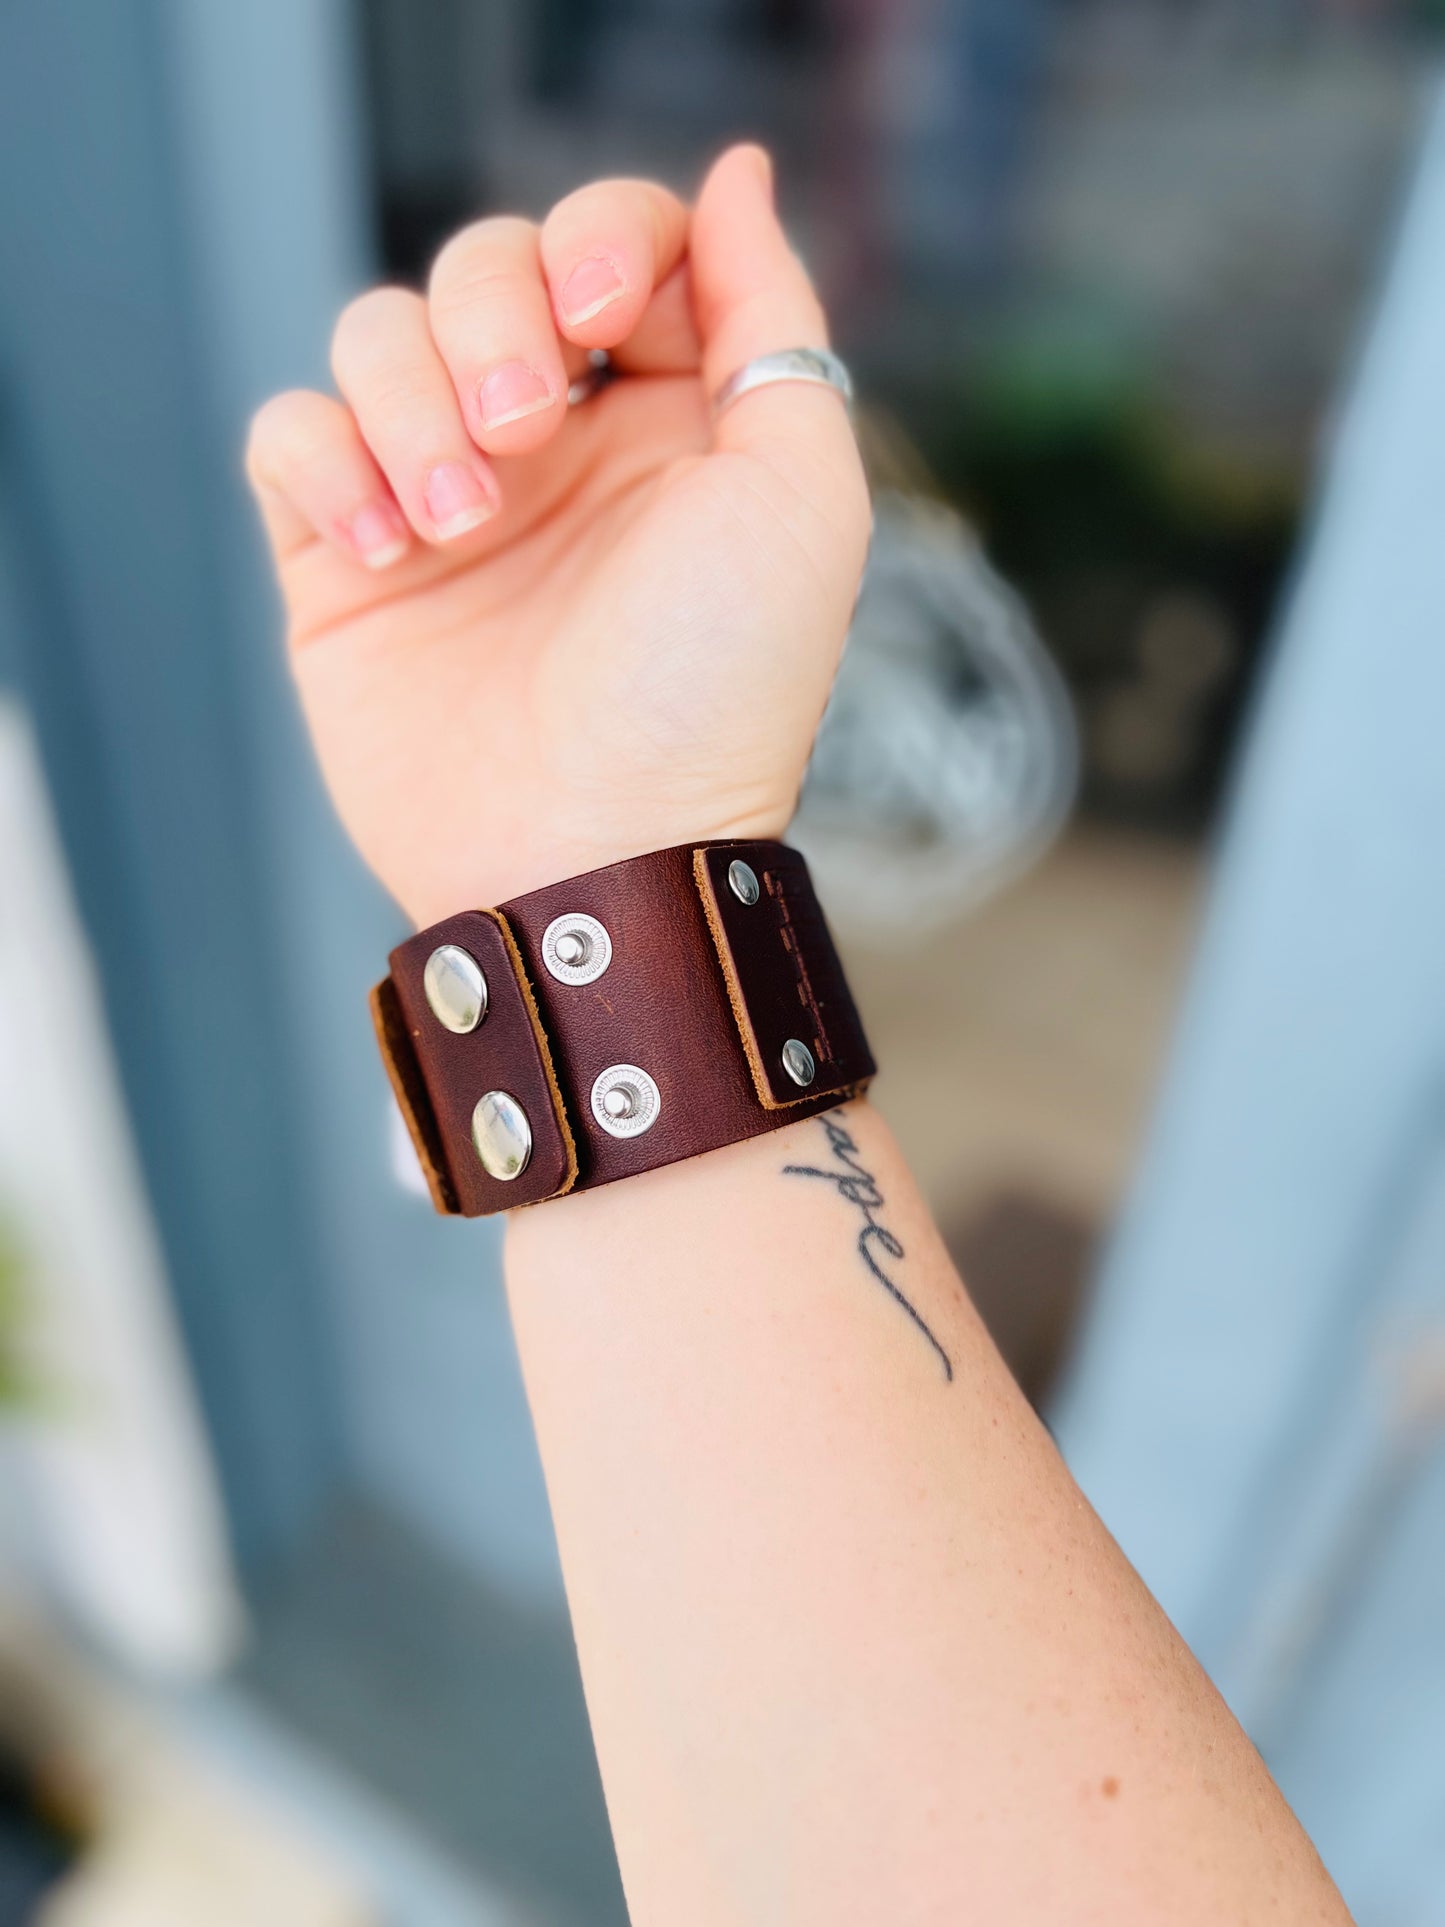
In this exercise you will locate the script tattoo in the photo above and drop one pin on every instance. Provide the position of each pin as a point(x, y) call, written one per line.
point(876, 1244)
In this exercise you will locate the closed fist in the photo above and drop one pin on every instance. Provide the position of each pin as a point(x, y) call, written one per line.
point(533, 638)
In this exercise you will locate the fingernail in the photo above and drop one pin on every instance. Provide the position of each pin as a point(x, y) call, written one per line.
point(379, 535)
point(591, 286)
point(512, 391)
point(457, 499)
point(763, 161)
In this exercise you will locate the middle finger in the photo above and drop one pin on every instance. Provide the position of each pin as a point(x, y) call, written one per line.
point(491, 319)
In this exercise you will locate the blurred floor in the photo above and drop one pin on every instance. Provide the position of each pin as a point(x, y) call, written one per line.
point(172, 1838)
point(454, 1701)
point(1021, 1050)
point(196, 1808)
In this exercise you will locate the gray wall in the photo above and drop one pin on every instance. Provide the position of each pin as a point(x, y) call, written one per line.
point(183, 207)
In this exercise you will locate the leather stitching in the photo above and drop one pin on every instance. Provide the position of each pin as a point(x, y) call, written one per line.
point(702, 875)
point(776, 886)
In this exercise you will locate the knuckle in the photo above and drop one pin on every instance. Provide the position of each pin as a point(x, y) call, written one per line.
point(481, 256)
point(637, 207)
point(486, 285)
point(584, 204)
point(277, 428)
point(398, 395)
point(371, 328)
point(292, 433)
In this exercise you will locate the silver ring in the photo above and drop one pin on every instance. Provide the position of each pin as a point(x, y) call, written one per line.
point(596, 376)
point(814, 365)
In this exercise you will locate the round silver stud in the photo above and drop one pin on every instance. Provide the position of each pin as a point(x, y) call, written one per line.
point(455, 988)
point(743, 881)
point(625, 1101)
point(798, 1061)
point(576, 948)
point(502, 1135)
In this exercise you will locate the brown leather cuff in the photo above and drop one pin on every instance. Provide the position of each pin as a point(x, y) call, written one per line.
point(639, 1014)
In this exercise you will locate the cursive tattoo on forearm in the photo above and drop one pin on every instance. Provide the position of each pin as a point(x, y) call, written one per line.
point(876, 1244)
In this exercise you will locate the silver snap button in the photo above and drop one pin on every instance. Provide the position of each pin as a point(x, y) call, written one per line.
point(798, 1061)
point(502, 1135)
point(576, 948)
point(625, 1101)
point(455, 988)
point(743, 881)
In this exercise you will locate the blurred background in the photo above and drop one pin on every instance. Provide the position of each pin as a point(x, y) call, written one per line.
point(1146, 300)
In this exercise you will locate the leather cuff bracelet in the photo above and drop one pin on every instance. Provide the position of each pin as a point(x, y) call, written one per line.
point(639, 1014)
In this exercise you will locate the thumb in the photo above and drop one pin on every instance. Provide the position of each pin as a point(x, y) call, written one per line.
point(752, 296)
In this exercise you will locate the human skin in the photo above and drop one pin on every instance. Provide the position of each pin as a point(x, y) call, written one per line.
point(855, 1647)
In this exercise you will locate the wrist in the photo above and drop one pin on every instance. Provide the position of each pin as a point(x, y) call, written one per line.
point(514, 867)
point(626, 1017)
point(595, 1217)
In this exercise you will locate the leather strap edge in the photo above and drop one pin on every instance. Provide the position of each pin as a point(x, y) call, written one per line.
point(544, 1051)
point(741, 1017)
point(412, 1100)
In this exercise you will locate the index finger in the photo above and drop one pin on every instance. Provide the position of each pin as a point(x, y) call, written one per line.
point(604, 251)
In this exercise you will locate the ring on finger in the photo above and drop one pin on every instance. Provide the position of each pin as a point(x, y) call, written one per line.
point(815, 365)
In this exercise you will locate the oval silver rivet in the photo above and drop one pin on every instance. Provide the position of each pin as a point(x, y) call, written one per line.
point(455, 988)
point(576, 948)
point(625, 1101)
point(502, 1135)
point(798, 1061)
point(743, 881)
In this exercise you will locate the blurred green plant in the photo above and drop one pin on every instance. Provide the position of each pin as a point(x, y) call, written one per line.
point(19, 1385)
point(1102, 505)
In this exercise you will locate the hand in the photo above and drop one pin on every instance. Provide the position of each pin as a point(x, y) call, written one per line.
point(532, 639)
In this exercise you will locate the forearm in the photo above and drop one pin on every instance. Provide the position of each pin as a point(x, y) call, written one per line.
point(855, 1647)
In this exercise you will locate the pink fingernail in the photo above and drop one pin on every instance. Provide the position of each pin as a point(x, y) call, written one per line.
point(457, 499)
point(512, 391)
point(591, 286)
point(379, 535)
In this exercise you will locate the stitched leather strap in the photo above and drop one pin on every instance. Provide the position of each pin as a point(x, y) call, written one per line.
point(704, 991)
